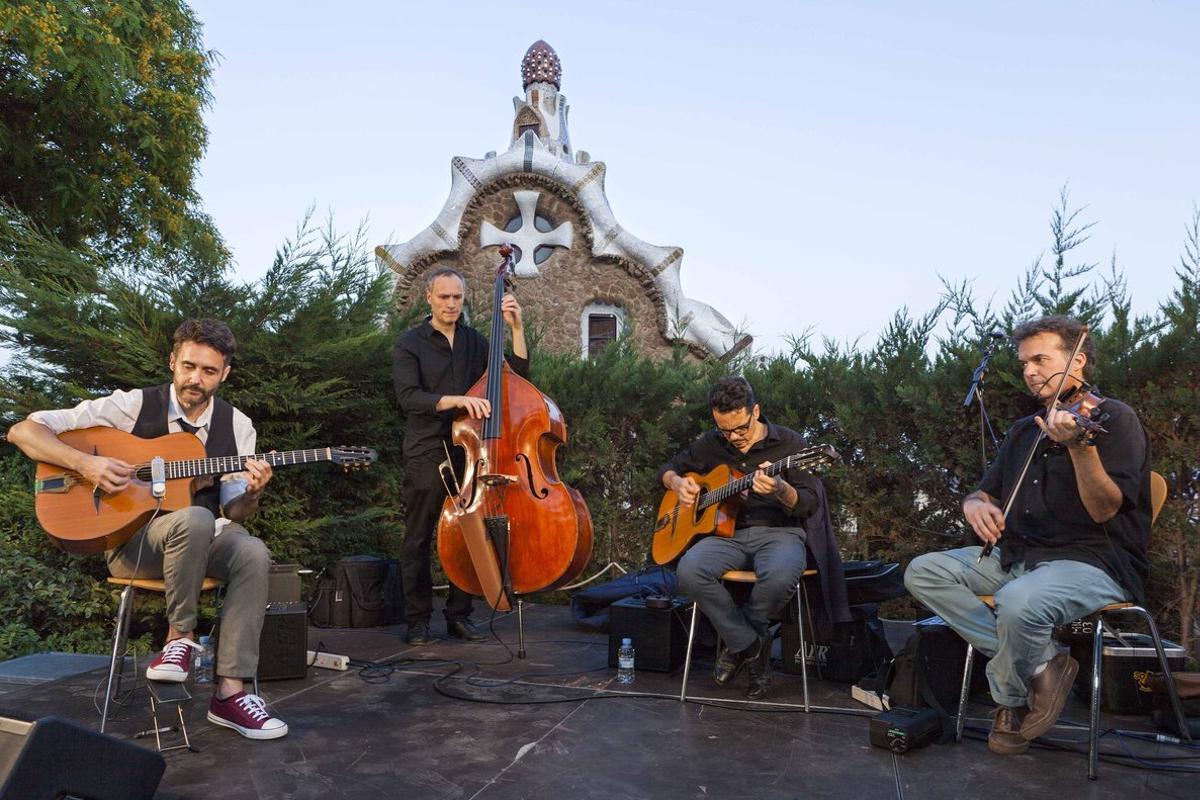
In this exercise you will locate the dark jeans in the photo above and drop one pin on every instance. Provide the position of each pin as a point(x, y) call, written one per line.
point(424, 495)
point(776, 555)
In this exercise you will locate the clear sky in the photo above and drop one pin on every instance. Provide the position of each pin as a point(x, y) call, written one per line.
point(821, 164)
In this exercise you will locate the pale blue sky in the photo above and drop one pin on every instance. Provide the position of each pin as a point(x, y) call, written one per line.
point(819, 163)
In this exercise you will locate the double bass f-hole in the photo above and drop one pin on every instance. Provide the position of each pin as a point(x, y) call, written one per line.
point(542, 492)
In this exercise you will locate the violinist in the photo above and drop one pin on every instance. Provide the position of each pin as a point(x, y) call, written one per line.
point(1074, 540)
point(433, 366)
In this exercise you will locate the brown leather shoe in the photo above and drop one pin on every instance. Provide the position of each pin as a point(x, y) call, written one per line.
point(1005, 737)
point(1048, 694)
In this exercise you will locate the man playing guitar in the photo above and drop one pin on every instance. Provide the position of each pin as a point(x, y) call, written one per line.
point(206, 539)
point(769, 535)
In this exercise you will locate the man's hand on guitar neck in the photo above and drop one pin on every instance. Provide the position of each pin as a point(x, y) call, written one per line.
point(683, 485)
point(770, 485)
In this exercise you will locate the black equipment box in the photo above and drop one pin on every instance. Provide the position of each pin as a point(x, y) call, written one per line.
point(659, 634)
point(902, 729)
point(1126, 663)
point(54, 758)
point(282, 648)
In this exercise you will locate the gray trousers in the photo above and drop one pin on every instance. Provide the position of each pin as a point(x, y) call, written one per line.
point(179, 548)
point(777, 557)
point(1029, 603)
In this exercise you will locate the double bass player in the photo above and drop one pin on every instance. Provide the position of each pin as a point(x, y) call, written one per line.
point(433, 366)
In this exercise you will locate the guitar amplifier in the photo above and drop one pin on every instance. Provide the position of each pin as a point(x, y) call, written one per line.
point(659, 634)
point(282, 648)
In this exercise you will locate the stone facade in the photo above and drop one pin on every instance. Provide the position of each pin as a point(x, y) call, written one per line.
point(573, 256)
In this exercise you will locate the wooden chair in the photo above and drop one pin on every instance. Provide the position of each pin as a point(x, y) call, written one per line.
point(121, 633)
point(1158, 496)
point(746, 576)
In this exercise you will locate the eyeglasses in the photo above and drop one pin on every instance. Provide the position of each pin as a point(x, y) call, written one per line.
point(740, 431)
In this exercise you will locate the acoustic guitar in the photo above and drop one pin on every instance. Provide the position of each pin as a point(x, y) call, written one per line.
point(81, 518)
point(715, 511)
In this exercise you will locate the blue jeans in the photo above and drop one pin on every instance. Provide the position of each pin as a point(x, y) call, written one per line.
point(1029, 603)
point(777, 557)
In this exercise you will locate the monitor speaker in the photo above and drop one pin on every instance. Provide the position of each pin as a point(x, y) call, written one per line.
point(54, 758)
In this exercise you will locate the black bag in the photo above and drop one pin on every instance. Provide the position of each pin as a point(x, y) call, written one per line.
point(928, 673)
point(857, 648)
point(358, 592)
point(846, 653)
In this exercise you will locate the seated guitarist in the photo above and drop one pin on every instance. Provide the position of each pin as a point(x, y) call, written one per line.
point(182, 547)
point(769, 536)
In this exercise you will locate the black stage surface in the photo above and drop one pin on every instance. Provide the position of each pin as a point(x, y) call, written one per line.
point(392, 732)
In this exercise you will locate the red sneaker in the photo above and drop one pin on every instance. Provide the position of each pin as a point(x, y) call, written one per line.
point(173, 663)
point(246, 714)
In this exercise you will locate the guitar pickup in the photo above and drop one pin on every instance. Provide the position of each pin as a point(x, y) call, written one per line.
point(55, 484)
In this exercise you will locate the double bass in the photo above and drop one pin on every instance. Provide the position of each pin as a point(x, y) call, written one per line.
point(510, 526)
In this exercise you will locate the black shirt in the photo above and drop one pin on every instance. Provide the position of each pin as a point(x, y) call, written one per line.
point(712, 449)
point(1048, 520)
point(425, 369)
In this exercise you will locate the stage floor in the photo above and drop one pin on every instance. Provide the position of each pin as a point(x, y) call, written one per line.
point(536, 728)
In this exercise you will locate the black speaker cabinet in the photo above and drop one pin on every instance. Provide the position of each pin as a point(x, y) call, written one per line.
point(659, 634)
point(53, 758)
point(284, 642)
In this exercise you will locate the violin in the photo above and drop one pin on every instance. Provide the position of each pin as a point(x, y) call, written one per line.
point(1084, 408)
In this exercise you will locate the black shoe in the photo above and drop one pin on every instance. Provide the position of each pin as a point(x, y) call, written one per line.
point(760, 671)
point(730, 664)
point(418, 634)
point(463, 628)
point(727, 667)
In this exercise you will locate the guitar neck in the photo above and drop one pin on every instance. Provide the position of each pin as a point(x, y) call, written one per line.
point(222, 465)
point(805, 458)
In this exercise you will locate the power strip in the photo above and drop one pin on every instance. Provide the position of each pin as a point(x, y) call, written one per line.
point(328, 661)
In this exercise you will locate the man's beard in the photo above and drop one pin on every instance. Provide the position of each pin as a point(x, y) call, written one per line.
point(187, 401)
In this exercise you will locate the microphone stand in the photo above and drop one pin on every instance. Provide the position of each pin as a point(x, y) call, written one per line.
point(976, 391)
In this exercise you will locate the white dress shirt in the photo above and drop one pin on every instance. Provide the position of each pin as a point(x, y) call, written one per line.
point(120, 410)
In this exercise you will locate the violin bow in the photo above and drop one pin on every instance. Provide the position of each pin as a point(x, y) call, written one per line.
point(1062, 382)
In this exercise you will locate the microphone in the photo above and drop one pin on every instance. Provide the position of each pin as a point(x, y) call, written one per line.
point(158, 477)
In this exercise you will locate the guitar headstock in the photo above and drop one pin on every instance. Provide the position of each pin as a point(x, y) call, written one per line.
point(815, 456)
point(353, 457)
point(829, 454)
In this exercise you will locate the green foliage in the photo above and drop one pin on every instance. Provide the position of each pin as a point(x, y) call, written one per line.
point(314, 368)
point(102, 126)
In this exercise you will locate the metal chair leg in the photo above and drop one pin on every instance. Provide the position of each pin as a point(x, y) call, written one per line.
point(1094, 718)
point(687, 659)
point(120, 633)
point(964, 693)
point(800, 591)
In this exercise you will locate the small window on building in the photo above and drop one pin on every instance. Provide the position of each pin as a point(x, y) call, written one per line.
point(602, 324)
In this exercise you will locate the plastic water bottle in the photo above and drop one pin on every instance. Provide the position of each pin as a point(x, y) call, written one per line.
point(202, 662)
point(625, 661)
